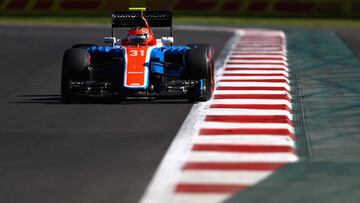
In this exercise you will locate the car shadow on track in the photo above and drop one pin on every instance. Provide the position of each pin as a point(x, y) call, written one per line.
point(53, 99)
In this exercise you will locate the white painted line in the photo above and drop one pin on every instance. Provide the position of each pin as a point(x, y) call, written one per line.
point(257, 56)
point(260, 43)
point(223, 177)
point(264, 41)
point(228, 125)
point(254, 65)
point(253, 78)
point(260, 48)
point(257, 72)
point(268, 59)
point(266, 70)
point(256, 62)
point(253, 84)
point(252, 101)
point(261, 33)
point(235, 51)
point(199, 197)
point(240, 60)
point(233, 67)
point(262, 112)
point(241, 157)
point(264, 33)
point(251, 92)
point(266, 140)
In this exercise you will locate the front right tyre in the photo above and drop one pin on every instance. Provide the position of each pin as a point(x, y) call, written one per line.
point(74, 68)
point(199, 65)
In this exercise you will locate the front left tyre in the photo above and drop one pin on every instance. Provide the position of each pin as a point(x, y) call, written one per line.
point(74, 68)
point(199, 65)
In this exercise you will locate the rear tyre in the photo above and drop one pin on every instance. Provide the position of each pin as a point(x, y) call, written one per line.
point(199, 65)
point(75, 62)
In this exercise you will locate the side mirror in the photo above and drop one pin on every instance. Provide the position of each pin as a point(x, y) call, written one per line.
point(110, 40)
point(167, 40)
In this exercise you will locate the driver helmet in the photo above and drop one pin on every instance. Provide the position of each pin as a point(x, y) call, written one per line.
point(139, 36)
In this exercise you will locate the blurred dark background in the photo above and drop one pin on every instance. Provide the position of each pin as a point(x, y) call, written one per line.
point(274, 8)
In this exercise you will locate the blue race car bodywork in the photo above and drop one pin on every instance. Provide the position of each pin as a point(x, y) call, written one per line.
point(159, 57)
point(139, 65)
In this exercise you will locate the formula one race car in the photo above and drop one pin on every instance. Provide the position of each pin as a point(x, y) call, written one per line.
point(139, 65)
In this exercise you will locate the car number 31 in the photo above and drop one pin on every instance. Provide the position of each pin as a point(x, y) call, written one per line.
point(137, 53)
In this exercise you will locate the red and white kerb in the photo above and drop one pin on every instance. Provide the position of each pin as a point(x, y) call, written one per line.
point(246, 131)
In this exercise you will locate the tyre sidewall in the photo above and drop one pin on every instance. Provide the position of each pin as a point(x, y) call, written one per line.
point(75, 60)
point(200, 65)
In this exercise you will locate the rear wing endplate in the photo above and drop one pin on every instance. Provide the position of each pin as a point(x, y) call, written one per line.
point(155, 18)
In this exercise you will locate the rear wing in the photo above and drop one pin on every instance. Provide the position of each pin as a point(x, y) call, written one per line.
point(124, 19)
point(155, 18)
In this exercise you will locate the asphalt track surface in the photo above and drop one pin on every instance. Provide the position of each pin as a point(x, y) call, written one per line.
point(103, 152)
point(55, 152)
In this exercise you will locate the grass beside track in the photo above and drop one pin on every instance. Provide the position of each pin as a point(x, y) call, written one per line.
point(188, 20)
